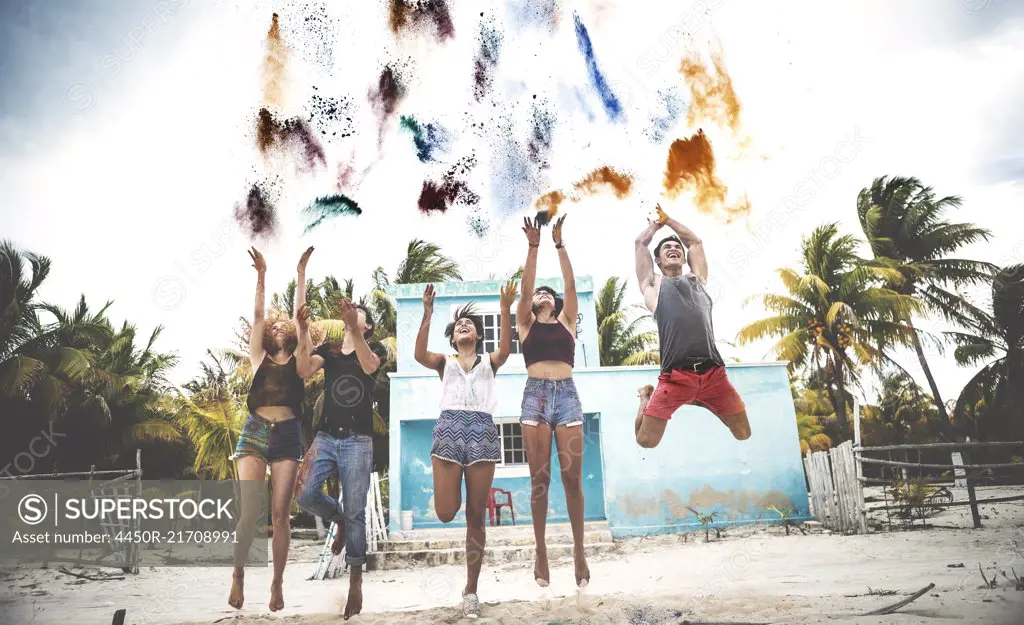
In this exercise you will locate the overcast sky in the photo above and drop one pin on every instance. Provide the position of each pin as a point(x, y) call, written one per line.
point(125, 142)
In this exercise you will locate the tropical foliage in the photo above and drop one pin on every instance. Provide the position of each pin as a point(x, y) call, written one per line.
point(904, 225)
point(991, 404)
point(835, 315)
point(622, 341)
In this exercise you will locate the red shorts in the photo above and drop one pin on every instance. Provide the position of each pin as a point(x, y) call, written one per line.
point(710, 389)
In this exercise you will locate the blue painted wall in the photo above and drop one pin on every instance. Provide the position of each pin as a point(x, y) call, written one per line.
point(640, 491)
point(418, 486)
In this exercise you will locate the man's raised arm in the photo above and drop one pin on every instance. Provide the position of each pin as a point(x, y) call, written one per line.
point(644, 260)
point(694, 246)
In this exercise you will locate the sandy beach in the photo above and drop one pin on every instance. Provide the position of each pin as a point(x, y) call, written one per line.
point(753, 575)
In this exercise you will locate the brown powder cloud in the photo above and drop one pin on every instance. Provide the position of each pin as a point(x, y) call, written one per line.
point(690, 167)
point(596, 180)
point(601, 179)
point(713, 98)
point(273, 70)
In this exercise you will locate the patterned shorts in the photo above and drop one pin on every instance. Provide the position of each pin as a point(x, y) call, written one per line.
point(466, 438)
point(270, 440)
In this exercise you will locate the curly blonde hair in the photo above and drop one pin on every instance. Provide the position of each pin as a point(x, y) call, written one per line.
point(291, 341)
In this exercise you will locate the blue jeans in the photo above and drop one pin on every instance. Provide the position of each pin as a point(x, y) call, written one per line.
point(552, 402)
point(352, 459)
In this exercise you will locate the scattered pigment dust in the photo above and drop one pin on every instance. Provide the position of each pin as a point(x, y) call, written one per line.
point(547, 206)
point(713, 98)
point(386, 96)
point(291, 137)
point(319, 34)
point(477, 223)
point(602, 178)
point(485, 62)
point(256, 215)
point(273, 69)
point(331, 116)
point(662, 121)
point(542, 126)
point(328, 207)
point(420, 16)
point(542, 14)
point(451, 190)
point(597, 80)
point(690, 167)
point(514, 179)
point(430, 139)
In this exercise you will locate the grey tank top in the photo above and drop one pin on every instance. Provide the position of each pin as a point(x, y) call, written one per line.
point(685, 332)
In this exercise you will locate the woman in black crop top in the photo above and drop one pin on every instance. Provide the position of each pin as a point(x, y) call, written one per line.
point(551, 406)
point(270, 437)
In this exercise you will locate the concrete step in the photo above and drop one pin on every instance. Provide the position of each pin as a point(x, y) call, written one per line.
point(496, 532)
point(386, 560)
point(519, 539)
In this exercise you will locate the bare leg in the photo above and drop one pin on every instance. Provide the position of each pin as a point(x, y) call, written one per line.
point(538, 453)
point(251, 473)
point(282, 480)
point(479, 477)
point(570, 460)
point(447, 489)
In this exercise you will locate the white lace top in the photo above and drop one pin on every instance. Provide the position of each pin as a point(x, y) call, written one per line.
point(476, 391)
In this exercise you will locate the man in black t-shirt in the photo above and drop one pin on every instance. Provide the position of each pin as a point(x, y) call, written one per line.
point(343, 443)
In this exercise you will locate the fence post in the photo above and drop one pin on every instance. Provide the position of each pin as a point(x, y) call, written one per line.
point(970, 491)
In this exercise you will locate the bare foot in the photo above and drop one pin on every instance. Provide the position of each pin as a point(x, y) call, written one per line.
point(540, 568)
point(237, 596)
point(354, 605)
point(645, 393)
point(276, 596)
point(582, 570)
point(339, 538)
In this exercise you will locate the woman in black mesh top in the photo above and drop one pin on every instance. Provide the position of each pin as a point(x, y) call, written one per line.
point(270, 437)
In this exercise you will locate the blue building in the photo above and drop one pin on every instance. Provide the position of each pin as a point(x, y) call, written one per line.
point(638, 491)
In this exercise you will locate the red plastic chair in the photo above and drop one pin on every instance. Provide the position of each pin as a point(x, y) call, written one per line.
point(493, 506)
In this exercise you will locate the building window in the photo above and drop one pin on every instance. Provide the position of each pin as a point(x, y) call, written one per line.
point(492, 334)
point(513, 449)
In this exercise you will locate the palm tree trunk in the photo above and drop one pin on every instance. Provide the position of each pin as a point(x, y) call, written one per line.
point(839, 403)
point(947, 427)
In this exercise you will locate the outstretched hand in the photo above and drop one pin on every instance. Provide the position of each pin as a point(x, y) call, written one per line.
point(556, 231)
point(302, 317)
point(508, 294)
point(428, 299)
point(662, 216)
point(349, 314)
point(532, 230)
point(305, 259)
point(258, 262)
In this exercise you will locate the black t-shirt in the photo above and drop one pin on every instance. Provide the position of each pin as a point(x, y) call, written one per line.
point(348, 392)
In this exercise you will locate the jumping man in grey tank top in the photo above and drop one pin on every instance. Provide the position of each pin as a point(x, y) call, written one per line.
point(692, 370)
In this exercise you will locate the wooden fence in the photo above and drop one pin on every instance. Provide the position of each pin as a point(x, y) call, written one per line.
point(837, 499)
point(836, 481)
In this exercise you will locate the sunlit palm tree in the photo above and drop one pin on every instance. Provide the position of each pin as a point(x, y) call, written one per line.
point(812, 407)
point(39, 359)
point(995, 395)
point(904, 221)
point(621, 341)
point(903, 413)
point(833, 315)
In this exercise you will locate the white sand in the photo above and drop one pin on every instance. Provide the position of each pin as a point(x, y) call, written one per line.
point(756, 576)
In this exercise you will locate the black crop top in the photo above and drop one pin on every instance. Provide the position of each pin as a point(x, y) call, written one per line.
point(276, 385)
point(549, 341)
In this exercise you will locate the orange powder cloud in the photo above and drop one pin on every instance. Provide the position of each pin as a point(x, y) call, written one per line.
point(690, 167)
